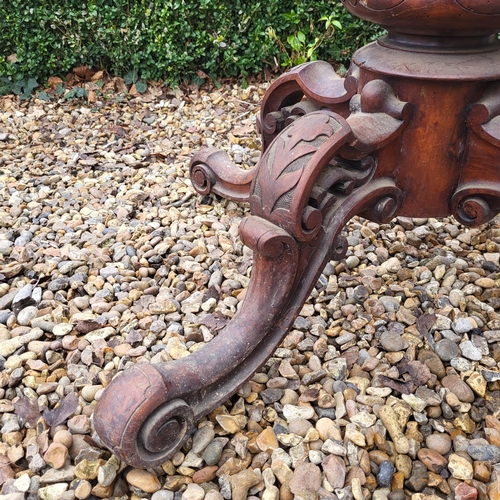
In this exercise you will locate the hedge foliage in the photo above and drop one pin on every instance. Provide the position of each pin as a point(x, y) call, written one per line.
point(171, 40)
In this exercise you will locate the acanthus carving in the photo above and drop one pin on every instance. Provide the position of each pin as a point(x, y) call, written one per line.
point(288, 170)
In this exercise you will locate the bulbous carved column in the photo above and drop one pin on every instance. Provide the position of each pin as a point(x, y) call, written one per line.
point(413, 129)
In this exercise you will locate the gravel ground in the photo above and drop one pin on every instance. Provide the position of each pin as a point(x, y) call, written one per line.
point(386, 387)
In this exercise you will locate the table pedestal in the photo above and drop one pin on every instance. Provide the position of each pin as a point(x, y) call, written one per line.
point(413, 130)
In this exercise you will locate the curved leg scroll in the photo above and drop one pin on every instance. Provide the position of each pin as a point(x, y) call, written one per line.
point(293, 232)
point(212, 171)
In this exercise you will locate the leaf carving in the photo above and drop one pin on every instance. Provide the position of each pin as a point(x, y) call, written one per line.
point(288, 157)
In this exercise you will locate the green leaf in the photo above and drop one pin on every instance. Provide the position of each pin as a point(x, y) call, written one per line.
point(43, 96)
point(196, 80)
point(18, 86)
point(70, 94)
point(131, 77)
point(59, 89)
point(30, 85)
point(141, 86)
point(217, 84)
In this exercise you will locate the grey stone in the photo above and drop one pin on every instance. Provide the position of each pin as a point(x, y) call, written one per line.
point(489, 453)
point(213, 452)
point(447, 350)
point(202, 438)
point(385, 473)
point(393, 342)
point(391, 304)
point(470, 351)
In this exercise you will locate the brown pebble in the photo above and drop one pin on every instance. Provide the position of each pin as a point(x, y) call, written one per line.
point(335, 470)
point(482, 471)
point(56, 455)
point(83, 489)
point(458, 387)
point(434, 411)
point(378, 456)
point(102, 491)
point(205, 475)
point(242, 482)
point(433, 460)
point(494, 491)
point(439, 442)
point(144, 480)
point(64, 437)
point(266, 440)
point(397, 481)
point(356, 472)
point(431, 359)
point(306, 476)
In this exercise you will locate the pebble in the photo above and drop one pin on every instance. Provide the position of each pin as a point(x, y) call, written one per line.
point(56, 455)
point(213, 452)
point(458, 387)
point(460, 467)
point(24, 316)
point(202, 438)
point(22, 483)
point(335, 470)
point(292, 412)
point(242, 482)
point(52, 492)
point(432, 459)
point(440, 442)
point(144, 480)
point(393, 342)
point(306, 476)
point(83, 489)
point(385, 473)
point(489, 453)
point(266, 440)
point(447, 350)
point(470, 351)
point(193, 492)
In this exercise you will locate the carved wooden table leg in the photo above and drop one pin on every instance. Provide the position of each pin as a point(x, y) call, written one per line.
point(414, 130)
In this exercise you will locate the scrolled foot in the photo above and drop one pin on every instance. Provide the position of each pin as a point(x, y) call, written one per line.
point(135, 419)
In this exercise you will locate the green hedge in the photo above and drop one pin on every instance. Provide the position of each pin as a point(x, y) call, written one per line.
point(166, 39)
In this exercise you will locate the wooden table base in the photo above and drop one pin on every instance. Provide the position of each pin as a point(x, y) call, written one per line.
point(413, 130)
